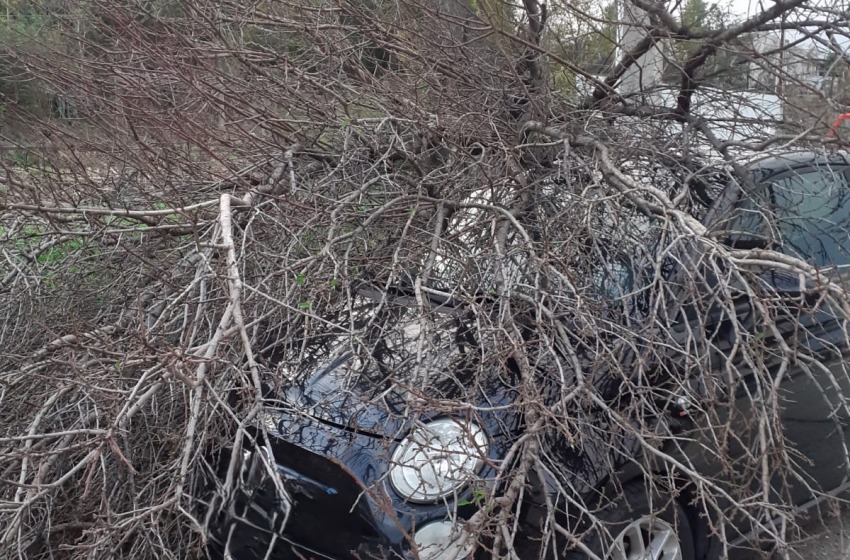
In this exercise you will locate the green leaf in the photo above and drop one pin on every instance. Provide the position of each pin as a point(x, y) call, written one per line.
point(334, 283)
point(300, 279)
point(304, 305)
point(478, 497)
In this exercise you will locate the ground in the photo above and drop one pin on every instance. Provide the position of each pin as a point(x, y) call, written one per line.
point(828, 541)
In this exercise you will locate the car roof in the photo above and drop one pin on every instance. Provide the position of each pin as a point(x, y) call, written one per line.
point(788, 161)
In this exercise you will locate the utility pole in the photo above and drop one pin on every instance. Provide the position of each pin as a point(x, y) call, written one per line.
point(780, 89)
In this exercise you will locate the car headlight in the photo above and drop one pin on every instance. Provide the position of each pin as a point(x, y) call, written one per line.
point(443, 540)
point(437, 459)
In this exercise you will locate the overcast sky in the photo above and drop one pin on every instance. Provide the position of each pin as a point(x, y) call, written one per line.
point(750, 7)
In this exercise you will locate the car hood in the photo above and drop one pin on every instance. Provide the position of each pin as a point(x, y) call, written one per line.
point(379, 379)
point(337, 394)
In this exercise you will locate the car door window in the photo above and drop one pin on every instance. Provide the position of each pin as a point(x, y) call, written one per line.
point(812, 212)
point(804, 214)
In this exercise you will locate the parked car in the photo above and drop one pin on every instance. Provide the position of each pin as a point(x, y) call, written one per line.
point(366, 462)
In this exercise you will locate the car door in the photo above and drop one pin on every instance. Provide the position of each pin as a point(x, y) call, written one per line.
point(804, 212)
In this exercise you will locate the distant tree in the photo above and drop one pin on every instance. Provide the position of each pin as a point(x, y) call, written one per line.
point(588, 37)
point(724, 69)
point(698, 15)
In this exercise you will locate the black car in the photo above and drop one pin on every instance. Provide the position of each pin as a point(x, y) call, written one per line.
point(356, 454)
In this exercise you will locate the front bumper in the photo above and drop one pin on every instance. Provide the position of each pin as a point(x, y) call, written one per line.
point(330, 498)
point(260, 523)
point(313, 506)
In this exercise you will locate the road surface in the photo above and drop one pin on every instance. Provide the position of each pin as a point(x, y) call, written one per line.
point(827, 541)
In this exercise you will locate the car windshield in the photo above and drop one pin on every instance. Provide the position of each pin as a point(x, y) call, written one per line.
point(602, 254)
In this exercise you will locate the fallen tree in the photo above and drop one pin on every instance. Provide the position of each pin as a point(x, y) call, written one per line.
point(234, 175)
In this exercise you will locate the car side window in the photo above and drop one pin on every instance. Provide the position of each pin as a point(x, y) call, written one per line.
point(812, 216)
point(804, 214)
